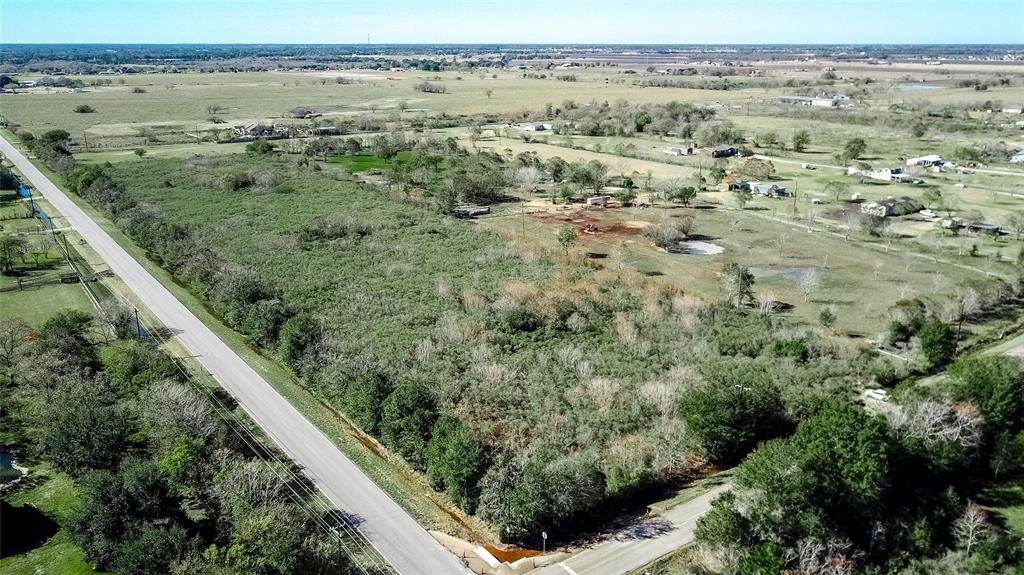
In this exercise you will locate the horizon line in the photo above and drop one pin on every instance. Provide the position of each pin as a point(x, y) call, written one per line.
point(746, 44)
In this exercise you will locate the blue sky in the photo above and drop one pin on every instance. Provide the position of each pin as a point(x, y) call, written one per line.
point(523, 21)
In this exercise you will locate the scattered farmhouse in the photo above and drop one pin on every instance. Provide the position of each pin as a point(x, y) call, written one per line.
point(256, 130)
point(1017, 159)
point(884, 175)
point(891, 206)
point(881, 174)
point(925, 161)
point(767, 190)
point(535, 127)
point(821, 100)
point(676, 151)
point(721, 151)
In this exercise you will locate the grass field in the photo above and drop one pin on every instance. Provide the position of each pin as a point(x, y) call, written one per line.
point(1007, 501)
point(41, 293)
point(44, 548)
point(180, 102)
point(859, 280)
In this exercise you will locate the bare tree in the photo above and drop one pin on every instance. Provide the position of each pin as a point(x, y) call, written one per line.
point(780, 240)
point(809, 282)
point(931, 420)
point(118, 316)
point(971, 527)
point(172, 410)
point(852, 220)
point(527, 177)
point(834, 556)
point(965, 304)
point(766, 303)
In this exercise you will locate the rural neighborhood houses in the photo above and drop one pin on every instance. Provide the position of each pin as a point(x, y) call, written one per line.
point(821, 100)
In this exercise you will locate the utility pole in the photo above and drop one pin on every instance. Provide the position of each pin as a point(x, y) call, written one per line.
point(138, 326)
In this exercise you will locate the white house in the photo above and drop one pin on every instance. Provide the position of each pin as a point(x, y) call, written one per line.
point(925, 161)
point(535, 127)
point(674, 151)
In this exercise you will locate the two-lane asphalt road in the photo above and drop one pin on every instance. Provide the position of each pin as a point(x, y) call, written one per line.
point(401, 541)
point(637, 545)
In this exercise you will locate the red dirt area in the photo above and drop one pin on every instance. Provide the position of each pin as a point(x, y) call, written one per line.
point(512, 554)
point(590, 224)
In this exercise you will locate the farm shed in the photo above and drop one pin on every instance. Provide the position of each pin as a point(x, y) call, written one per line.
point(721, 151)
point(535, 127)
point(732, 185)
point(984, 229)
point(598, 201)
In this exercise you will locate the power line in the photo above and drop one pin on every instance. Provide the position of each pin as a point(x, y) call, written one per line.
point(346, 534)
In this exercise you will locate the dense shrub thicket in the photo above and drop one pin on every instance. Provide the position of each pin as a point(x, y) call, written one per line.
point(164, 486)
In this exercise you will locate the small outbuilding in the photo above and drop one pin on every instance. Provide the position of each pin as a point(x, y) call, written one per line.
point(721, 151)
point(676, 151)
point(984, 229)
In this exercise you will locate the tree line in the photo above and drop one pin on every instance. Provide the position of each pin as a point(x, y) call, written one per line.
point(852, 492)
point(164, 485)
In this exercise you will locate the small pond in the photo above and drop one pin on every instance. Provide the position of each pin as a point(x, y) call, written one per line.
point(917, 87)
point(7, 471)
point(696, 248)
point(792, 273)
